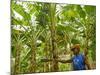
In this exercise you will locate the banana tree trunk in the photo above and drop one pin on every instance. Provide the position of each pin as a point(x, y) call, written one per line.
point(53, 35)
point(17, 59)
point(50, 55)
point(33, 57)
point(46, 52)
point(86, 42)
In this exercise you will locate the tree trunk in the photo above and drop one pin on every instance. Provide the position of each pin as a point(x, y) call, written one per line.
point(17, 59)
point(53, 35)
point(33, 58)
point(50, 55)
point(86, 43)
point(46, 52)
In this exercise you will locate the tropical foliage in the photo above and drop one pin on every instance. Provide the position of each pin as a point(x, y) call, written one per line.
point(47, 30)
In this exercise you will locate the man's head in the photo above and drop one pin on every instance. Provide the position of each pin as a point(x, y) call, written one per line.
point(75, 49)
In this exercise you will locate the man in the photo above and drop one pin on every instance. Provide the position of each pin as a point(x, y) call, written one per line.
point(79, 61)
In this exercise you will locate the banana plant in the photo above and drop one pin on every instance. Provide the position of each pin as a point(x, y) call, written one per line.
point(17, 44)
point(55, 26)
point(30, 35)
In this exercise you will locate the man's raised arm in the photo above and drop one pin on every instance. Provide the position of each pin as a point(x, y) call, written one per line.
point(65, 61)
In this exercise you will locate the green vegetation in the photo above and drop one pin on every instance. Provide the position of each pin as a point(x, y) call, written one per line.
point(45, 30)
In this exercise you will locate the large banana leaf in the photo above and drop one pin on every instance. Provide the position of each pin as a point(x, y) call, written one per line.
point(20, 10)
